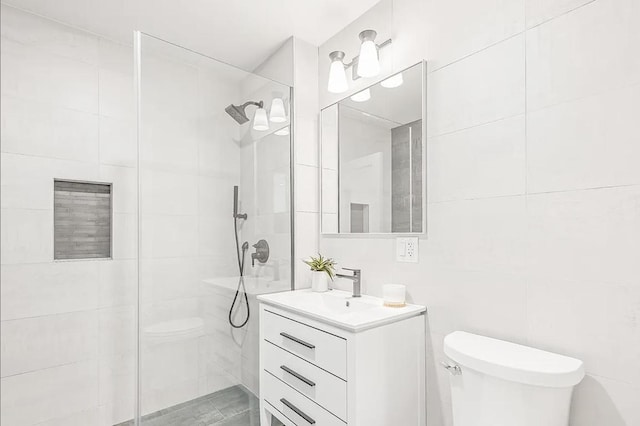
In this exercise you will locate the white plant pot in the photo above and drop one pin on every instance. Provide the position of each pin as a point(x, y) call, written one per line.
point(319, 281)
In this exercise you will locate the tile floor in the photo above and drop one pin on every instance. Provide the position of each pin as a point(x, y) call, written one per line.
point(234, 406)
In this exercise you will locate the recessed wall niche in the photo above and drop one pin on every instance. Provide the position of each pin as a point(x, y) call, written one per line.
point(82, 220)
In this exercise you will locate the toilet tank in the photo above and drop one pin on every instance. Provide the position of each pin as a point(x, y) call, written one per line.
point(500, 383)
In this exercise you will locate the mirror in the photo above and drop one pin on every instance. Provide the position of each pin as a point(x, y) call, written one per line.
point(373, 158)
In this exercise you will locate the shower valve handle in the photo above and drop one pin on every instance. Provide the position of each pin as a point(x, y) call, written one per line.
point(262, 252)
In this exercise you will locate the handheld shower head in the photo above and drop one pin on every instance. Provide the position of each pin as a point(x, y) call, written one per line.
point(237, 215)
point(238, 113)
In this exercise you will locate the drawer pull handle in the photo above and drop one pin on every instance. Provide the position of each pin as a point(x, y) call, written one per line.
point(297, 411)
point(297, 375)
point(299, 341)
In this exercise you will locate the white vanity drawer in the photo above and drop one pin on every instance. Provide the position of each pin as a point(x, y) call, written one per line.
point(326, 389)
point(323, 349)
point(296, 407)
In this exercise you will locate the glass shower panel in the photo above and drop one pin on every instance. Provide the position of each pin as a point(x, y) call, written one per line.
point(215, 232)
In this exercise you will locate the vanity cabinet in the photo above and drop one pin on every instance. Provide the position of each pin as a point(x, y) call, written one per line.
point(325, 372)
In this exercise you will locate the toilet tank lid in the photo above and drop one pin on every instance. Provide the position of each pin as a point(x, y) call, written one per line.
point(513, 362)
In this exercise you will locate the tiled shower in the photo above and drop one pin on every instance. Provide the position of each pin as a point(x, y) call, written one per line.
point(140, 325)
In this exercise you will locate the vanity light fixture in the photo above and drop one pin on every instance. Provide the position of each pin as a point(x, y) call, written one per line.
point(393, 81)
point(260, 120)
point(337, 73)
point(368, 61)
point(367, 64)
point(277, 114)
point(363, 96)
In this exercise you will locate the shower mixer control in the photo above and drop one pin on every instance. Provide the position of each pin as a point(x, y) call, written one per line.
point(262, 252)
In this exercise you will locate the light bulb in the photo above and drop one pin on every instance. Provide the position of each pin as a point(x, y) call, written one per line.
point(363, 96)
point(368, 61)
point(260, 121)
point(282, 132)
point(393, 81)
point(337, 74)
point(277, 114)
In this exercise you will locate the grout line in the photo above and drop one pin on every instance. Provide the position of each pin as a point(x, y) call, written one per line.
point(66, 364)
point(462, 58)
point(462, 129)
point(64, 24)
point(560, 15)
point(57, 314)
point(526, 29)
point(529, 194)
point(601, 92)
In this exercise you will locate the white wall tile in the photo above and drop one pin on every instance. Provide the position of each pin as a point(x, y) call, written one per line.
point(158, 147)
point(118, 282)
point(587, 143)
point(36, 128)
point(81, 418)
point(306, 244)
point(117, 95)
point(117, 332)
point(306, 136)
point(306, 187)
point(585, 236)
point(585, 52)
point(49, 394)
point(484, 161)
point(35, 343)
point(118, 144)
point(479, 235)
point(49, 36)
point(464, 27)
point(591, 321)
point(168, 193)
point(539, 11)
point(30, 290)
point(25, 72)
point(600, 401)
point(169, 279)
point(479, 89)
point(27, 181)
point(22, 236)
point(169, 236)
point(124, 187)
point(305, 77)
point(115, 57)
point(125, 236)
point(73, 84)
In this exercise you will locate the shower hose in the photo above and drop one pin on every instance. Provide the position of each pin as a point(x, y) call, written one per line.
point(245, 247)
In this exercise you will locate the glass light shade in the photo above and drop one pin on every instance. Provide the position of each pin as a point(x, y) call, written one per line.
point(277, 114)
point(368, 62)
point(260, 121)
point(393, 81)
point(282, 132)
point(337, 78)
point(363, 96)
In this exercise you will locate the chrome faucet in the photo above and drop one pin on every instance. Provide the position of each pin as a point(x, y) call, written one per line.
point(356, 278)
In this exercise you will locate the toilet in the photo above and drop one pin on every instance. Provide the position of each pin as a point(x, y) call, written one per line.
point(498, 383)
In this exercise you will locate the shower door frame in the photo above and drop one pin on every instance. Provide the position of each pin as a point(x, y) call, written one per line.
point(137, 73)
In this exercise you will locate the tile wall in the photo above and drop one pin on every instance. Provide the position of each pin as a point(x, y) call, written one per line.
point(67, 326)
point(533, 215)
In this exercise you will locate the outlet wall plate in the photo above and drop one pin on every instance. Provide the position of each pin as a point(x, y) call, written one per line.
point(407, 249)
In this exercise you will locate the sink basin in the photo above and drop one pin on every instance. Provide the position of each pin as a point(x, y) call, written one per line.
point(339, 308)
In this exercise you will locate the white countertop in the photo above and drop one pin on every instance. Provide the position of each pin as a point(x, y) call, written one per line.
point(340, 309)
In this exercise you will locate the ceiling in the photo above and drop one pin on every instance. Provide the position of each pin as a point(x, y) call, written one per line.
point(240, 32)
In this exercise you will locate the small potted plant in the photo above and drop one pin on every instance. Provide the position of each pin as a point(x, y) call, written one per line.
point(322, 269)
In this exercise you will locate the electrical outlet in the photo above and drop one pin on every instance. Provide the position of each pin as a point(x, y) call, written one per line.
point(407, 249)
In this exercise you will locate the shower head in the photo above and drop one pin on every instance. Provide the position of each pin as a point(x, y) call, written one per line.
point(238, 113)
